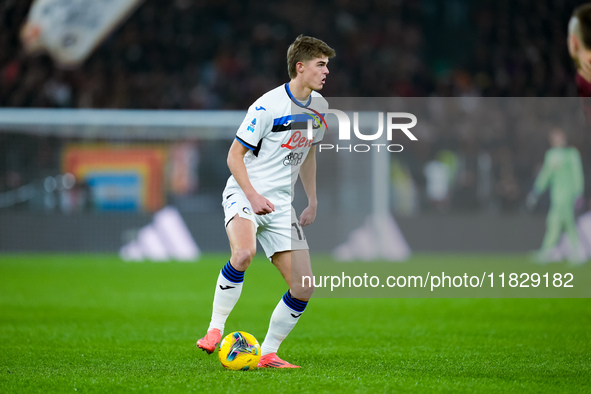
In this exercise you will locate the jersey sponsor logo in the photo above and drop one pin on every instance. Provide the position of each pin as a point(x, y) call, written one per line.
point(261, 108)
point(247, 210)
point(290, 121)
point(228, 207)
point(297, 140)
point(252, 125)
point(293, 159)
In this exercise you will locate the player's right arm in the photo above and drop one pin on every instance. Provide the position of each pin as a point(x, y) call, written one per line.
point(543, 179)
point(260, 205)
point(541, 183)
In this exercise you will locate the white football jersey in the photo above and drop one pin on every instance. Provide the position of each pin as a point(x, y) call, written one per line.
point(275, 130)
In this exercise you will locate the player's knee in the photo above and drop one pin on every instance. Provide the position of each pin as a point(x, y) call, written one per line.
point(242, 257)
point(308, 291)
point(303, 292)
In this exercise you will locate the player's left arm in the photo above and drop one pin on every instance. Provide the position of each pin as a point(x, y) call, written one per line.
point(577, 167)
point(308, 177)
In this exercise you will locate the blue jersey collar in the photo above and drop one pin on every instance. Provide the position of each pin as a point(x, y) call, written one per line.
point(296, 101)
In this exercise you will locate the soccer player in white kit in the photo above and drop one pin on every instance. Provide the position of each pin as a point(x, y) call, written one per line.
point(272, 147)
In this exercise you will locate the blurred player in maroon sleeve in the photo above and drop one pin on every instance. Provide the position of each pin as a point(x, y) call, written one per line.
point(579, 47)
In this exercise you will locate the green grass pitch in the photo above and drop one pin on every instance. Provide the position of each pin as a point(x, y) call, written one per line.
point(91, 323)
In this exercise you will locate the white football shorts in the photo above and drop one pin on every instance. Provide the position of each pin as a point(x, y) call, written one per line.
point(276, 232)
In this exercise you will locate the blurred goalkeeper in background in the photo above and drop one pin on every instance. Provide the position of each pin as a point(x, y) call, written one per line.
point(562, 172)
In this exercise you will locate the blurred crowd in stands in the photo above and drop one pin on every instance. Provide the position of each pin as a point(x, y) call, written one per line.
point(223, 54)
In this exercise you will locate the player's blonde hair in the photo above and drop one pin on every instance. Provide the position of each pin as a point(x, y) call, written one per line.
point(580, 24)
point(306, 48)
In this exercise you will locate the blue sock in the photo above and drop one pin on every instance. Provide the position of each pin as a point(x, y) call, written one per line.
point(232, 274)
point(294, 303)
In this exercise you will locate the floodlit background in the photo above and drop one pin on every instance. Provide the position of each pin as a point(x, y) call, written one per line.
point(92, 184)
point(113, 142)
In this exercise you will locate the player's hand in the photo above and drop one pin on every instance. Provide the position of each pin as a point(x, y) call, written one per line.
point(308, 215)
point(260, 205)
point(531, 201)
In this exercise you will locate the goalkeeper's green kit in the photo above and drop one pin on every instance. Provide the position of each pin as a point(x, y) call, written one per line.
point(563, 173)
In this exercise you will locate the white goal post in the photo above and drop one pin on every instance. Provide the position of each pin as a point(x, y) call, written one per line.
point(378, 238)
point(117, 124)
